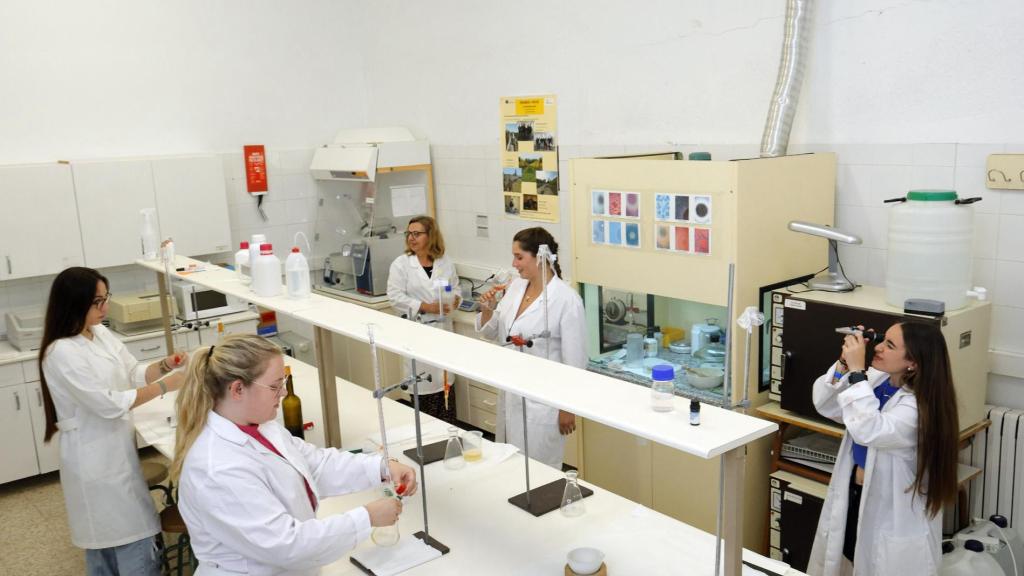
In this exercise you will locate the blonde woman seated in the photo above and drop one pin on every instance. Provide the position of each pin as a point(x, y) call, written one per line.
point(248, 489)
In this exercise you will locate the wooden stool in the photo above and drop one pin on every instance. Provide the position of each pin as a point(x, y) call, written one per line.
point(154, 472)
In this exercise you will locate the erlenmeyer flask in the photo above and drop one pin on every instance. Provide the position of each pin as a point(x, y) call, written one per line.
point(453, 459)
point(572, 497)
point(386, 535)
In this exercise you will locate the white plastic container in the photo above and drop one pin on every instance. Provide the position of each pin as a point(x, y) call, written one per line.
point(266, 272)
point(150, 234)
point(998, 539)
point(255, 242)
point(662, 388)
point(242, 263)
point(929, 256)
point(970, 560)
point(296, 274)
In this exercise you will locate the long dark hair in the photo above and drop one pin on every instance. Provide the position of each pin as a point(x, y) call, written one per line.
point(531, 239)
point(71, 295)
point(938, 425)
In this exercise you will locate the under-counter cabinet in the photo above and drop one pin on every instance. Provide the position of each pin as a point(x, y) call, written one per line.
point(17, 452)
point(40, 234)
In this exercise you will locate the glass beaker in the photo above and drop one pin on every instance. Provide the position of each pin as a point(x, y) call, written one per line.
point(473, 445)
point(572, 498)
point(453, 458)
point(634, 348)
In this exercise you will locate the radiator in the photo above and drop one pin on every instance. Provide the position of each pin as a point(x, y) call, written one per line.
point(999, 452)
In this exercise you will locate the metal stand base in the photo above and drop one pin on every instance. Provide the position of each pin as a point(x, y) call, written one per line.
point(544, 499)
point(830, 282)
point(430, 541)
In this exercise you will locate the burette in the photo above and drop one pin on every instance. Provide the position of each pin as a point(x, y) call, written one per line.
point(389, 484)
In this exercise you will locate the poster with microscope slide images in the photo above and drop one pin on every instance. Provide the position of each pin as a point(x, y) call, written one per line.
point(529, 157)
point(615, 233)
point(681, 223)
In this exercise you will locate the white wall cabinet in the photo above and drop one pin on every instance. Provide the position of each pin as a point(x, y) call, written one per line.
point(40, 233)
point(191, 200)
point(18, 450)
point(188, 193)
point(110, 195)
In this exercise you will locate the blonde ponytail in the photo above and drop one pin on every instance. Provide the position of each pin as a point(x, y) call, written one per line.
point(210, 373)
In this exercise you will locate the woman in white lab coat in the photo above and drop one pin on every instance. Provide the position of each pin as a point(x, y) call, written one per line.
point(521, 314)
point(248, 489)
point(896, 465)
point(90, 382)
point(413, 282)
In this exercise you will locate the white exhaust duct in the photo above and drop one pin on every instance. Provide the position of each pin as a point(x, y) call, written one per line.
point(775, 139)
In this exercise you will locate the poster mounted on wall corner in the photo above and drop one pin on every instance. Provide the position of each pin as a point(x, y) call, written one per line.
point(529, 156)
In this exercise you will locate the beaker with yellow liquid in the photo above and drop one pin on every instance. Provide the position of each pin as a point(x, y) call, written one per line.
point(473, 445)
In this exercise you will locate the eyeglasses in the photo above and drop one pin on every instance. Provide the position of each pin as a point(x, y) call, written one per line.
point(413, 234)
point(275, 388)
point(99, 302)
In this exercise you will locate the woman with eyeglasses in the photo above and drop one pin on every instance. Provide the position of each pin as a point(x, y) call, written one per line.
point(248, 489)
point(90, 382)
point(413, 290)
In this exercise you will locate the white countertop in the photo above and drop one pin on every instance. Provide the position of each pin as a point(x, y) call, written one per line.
point(606, 400)
point(9, 353)
point(468, 508)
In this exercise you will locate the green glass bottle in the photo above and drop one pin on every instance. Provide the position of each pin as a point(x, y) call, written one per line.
point(291, 406)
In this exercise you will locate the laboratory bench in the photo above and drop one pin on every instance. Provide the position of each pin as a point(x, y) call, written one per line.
point(468, 509)
point(718, 443)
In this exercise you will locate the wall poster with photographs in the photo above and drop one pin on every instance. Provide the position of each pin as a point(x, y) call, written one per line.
point(529, 156)
point(674, 216)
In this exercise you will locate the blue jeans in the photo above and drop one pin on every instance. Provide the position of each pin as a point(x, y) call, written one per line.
point(139, 558)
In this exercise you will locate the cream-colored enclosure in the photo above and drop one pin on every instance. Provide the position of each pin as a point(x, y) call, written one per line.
point(751, 202)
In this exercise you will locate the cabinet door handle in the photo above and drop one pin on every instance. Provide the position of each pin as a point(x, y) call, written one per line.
point(489, 403)
point(9, 271)
point(39, 396)
point(488, 423)
point(154, 348)
point(17, 402)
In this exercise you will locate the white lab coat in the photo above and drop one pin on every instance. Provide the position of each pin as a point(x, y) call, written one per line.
point(92, 383)
point(567, 345)
point(408, 287)
point(247, 510)
point(895, 536)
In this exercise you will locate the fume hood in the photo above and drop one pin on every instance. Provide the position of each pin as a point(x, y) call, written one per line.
point(358, 154)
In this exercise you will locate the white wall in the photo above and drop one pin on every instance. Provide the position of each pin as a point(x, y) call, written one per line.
point(106, 78)
point(908, 94)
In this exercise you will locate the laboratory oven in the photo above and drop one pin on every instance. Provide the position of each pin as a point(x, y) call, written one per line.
point(800, 342)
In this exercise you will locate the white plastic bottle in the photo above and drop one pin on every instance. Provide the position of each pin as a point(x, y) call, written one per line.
point(266, 272)
point(150, 234)
point(296, 274)
point(970, 560)
point(255, 242)
point(242, 263)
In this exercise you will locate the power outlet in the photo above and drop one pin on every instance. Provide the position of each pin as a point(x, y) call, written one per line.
point(1005, 171)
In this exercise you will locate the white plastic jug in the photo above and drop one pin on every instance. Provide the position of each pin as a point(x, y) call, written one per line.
point(242, 268)
point(970, 560)
point(266, 272)
point(999, 539)
point(929, 256)
point(254, 247)
point(296, 274)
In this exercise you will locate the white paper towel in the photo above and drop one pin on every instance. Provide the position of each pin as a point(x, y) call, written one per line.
point(390, 560)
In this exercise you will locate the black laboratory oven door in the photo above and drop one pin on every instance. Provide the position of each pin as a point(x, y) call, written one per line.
point(810, 344)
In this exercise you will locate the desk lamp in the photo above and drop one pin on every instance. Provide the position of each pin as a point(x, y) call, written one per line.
point(835, 280)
